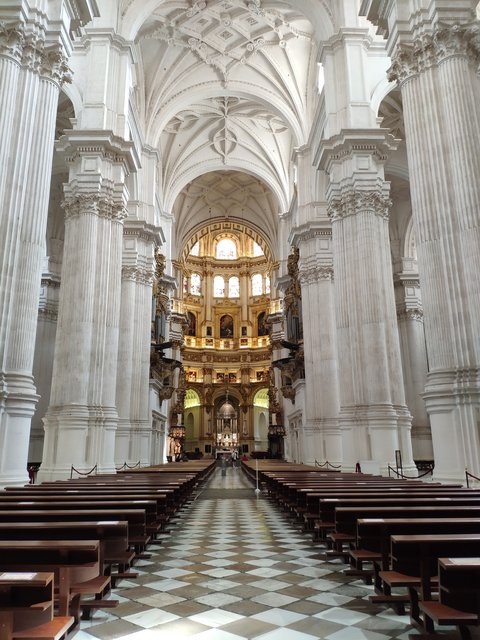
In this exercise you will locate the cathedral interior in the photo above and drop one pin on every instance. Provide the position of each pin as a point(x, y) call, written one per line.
point(239, 225)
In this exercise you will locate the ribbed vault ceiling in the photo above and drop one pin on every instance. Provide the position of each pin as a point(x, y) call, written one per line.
point(226, 85)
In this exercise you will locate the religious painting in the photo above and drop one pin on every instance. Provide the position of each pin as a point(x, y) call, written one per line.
point(262, 325)
point(209, 332)
point(232, 377)
point(260, 376)
point(192, 324)
point(220, 377)
point(244, 332)
point(226, 326)
point(192, 376)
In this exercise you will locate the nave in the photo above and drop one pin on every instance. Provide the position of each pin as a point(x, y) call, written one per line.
point(232, 567)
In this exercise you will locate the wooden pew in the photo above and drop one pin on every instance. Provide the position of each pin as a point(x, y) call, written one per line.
point(346, 517)
point(414, 561)
point(27, 607)
point(74, 563)
point(153, 504)
point(373, 543)
point(137, 535)
point(112, 535)
point(459, 592)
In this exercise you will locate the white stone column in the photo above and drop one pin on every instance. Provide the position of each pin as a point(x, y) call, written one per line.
point(437, 73)
point(374, 419)
point(31, 73)
point(134, 432)
point(319, 340)
point(414, 358)
point(82, 418)
point(43, 360)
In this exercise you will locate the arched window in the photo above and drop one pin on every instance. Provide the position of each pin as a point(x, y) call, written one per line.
point(226, 327)
point(194, 251)
point(218, 287)
point(226, 249)
point(192, 324)
point(195, 284)
point(257, 284)
point(267, 284)
point(257, 250)
point(185, 285)
point(234, 287)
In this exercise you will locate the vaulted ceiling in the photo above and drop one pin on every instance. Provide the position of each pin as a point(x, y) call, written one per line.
point(226, 85)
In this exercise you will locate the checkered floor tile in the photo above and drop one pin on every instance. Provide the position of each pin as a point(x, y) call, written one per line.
point(234, 568)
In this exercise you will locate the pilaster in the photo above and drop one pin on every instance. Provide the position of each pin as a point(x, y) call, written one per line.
point(134, 424)
point(414, 359)
point(33, 67)
point(82, 417)
point(374, 419)
point(319, 340)
point(443, 137)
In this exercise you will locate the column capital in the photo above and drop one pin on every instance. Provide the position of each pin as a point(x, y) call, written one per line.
point(353, 202)
point(431, 49)
point(315, 273)
point(139, 274)
point(101, 204)
point(28, 48)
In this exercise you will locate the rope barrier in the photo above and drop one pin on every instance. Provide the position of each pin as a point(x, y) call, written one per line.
point(404, 477)
point(470, 475)
point(327, 464)
point(125, 465)
point(83, 473)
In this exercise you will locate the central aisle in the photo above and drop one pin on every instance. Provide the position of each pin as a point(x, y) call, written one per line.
point(234, 568)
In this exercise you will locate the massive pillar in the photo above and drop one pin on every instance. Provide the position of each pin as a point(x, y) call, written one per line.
point(32, 70)
point(374, 419)
point(82, 417)
point(414, 359)
point(134, 431)
point(319, 340)
point(435, 62)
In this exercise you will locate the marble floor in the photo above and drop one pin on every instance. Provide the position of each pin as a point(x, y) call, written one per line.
point(231, 568)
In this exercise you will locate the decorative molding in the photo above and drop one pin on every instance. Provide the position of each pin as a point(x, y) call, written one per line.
point(355, 202)
point(431, 49)
point(100, 205)
point(30, 51)
point(311, 275)
point(138, 274)
point(414, 313)
point(48, 311)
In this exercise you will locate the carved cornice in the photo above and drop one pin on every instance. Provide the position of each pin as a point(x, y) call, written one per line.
point(100, 205)
point(316, 273)
point(355, 202)
point(431, 49)
point(30, 51)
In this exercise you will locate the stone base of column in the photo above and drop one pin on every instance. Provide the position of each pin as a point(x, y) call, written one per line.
point(78, 436)
point(141, 441)
point(452, 398)
point(371, 434)
point(18, 400)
